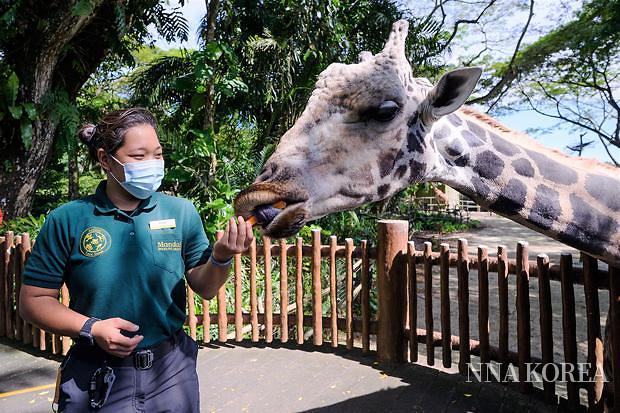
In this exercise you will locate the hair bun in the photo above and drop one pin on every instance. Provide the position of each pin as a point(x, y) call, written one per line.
point(87, 132)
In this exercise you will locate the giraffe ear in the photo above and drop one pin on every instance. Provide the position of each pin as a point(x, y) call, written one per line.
point(452, 90)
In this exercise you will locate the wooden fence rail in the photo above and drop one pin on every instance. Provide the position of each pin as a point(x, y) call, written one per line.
point(396, 275)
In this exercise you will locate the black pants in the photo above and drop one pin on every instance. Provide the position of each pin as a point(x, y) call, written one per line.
point(170, 385)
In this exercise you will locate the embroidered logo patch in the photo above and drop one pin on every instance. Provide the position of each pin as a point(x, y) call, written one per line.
point(94, 241)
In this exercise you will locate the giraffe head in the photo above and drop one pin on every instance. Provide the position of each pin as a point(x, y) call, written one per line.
point(363, 136)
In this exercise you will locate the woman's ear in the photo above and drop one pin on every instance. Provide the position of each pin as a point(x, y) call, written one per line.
point(104, 159)
point(452, 91)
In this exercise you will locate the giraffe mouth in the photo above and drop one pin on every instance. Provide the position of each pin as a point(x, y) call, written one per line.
point(257, 201)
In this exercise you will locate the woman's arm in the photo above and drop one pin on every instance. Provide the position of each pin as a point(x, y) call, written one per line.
point(206, 279)
point(40, 306)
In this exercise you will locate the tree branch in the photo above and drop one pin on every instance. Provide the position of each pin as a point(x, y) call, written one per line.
point(464, 21)
point(510, 73)
point(602, 137)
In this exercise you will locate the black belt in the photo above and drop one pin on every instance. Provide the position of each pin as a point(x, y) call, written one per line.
point(141, 359)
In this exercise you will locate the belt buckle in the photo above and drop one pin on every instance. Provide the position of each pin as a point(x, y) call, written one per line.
point(143, 359)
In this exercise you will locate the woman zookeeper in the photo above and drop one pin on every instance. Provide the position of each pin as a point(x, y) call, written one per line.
point(123, 253)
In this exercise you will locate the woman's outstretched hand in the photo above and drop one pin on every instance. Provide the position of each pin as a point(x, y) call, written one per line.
point(236, 239)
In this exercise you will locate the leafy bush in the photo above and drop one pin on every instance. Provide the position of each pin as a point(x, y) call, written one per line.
point(30, 224)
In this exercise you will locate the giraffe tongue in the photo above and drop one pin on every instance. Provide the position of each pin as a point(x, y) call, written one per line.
point(265, 214)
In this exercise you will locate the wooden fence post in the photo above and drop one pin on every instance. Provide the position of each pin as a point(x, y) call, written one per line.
point(222, 319)
point(3, 247)
point(614, 333)
point(524, 330)
point(392, 236)
point(317, 299)
point(462, 270)
point(7, 284)
point(595, 342)
point(26, 247)
point(569, 325)
point(66, 341)
point(268, 298)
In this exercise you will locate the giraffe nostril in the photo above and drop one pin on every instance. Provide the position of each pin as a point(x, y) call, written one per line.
point(267, 173)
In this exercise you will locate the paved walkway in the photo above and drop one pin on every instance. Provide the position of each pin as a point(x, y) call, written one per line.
point(496, 230)
point(238, 378)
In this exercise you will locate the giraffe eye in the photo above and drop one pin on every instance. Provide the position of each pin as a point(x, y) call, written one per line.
point(386, 111)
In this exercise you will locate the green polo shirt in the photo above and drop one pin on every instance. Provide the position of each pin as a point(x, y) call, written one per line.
point(122, 265)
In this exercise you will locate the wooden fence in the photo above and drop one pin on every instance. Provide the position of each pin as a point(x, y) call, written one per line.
point(404, 281)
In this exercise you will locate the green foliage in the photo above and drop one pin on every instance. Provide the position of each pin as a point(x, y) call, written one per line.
point(593, 36)
point(211, 170)
point(570, 74)
point(83, 8)
point(30, 224)
point(23, 113)
point(261, 67)
point(283, 46)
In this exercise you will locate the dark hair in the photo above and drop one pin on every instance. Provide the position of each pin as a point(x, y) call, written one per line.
point(110, 132)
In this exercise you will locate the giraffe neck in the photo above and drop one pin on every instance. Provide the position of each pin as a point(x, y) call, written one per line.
point(572, 200)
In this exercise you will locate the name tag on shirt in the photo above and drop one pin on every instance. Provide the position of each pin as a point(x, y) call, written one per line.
point(162, 224)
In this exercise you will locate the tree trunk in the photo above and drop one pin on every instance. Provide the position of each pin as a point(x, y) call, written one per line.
point(17, 189)
point(73, 173)
point(209, 36)
point(49, 58)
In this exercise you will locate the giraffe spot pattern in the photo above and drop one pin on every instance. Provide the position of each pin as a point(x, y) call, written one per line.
point(462, 161)
point(442, 132)
point(412, 120)
point(482, 189)
point(589, 230)
point(476, 129)
point(546, 209)
point(600, 187)
point(503, 146)
point(472, 140)
point(417, 170)
point(511, 198)
point(386, 163)
point(455, 119)
point(553, 170)
point(455, 148)
point(488, 165)
point(383, 190)
point(523, 167)
point(415, 140)
point(400, 171)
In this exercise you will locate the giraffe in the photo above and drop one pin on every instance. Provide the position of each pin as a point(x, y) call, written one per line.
point(440, 196)
point(371, 129)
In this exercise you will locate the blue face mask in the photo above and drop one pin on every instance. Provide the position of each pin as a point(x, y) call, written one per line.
point(142, 178)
